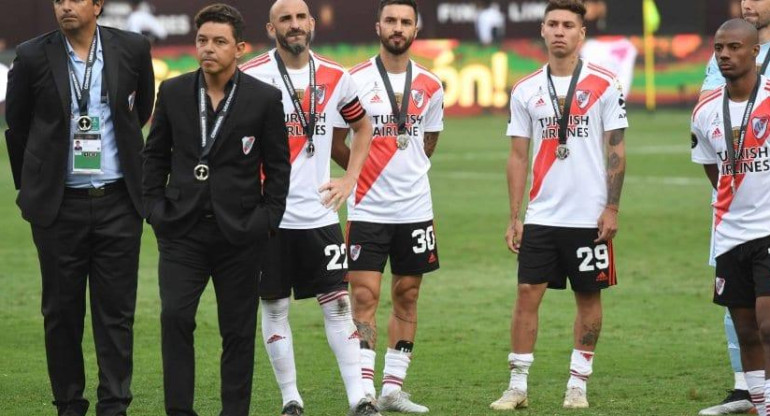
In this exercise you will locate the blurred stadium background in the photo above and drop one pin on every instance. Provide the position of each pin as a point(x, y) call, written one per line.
point(662, 350)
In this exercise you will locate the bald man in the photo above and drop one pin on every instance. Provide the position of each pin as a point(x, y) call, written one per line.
point(756, 12)
point(729, 138)
point(308, 256)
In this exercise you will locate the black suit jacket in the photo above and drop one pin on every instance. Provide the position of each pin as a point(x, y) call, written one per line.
point(38, 114)
point(246, 209)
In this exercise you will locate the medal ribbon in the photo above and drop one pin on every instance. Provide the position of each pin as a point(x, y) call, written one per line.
point(401, 114)
point(563, 118)
point(734, 152)
point(307, 125)
point(207, 141)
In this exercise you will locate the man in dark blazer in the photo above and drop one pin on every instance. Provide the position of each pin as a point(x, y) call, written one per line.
point(213, 133)
point(83, 204)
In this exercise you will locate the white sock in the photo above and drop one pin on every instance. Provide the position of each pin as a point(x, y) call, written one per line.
point(756, 382)
point(580, 368)
point(519, 365)
point(767, 396)
point(276, 333)
point(394, 374)
point(343, 339)
point(740, 381)
point(368, 358)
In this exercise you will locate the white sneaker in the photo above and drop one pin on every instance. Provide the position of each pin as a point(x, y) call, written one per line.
point(399, 402)
point(737, 401)
point(511, 399)
point(575, 398)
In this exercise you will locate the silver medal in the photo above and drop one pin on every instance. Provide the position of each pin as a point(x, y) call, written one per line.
point(403, 141)
point(84, 123)
point(562, 152)
point(201, 172)
point(310, 149)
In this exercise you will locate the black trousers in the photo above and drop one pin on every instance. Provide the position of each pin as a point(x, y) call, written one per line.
point(94, 241)
point(184, 269)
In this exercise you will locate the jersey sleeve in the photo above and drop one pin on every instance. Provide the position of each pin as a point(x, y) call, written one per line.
point(349, 106)
point(614, 107)
point(434, 117)
point(702, 151)
point(519, 122)
point(714, 78)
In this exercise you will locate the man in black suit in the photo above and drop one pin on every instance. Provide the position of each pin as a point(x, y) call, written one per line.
point(83, 204)
point(214, 131)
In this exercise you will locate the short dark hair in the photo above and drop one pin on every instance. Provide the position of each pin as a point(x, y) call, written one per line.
point(574, 6)
point(410, 3)
point(221, 13)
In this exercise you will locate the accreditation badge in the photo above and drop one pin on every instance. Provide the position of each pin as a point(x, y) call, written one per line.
point(87, 153)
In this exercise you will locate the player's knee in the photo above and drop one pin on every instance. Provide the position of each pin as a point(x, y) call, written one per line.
point(275, 309)
point(749, 335)
point(177, 317)
point(528, 296)
point(764, 331)
point(337, 309)
point(365, 297)
point(406, 298)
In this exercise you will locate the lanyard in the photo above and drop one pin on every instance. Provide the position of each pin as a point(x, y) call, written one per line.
point(563, 117)
point(734, 152)
point(82, 91)
point(207, 140)
point(401, 113)
point(307, 124)
point(765, 63)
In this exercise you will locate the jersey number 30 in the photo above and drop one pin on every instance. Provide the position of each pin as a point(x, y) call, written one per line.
point(426, 240)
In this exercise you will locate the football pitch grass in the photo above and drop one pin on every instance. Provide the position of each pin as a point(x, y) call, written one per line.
point(661, 351)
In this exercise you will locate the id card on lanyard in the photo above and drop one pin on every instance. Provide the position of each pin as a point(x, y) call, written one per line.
point(87, 139)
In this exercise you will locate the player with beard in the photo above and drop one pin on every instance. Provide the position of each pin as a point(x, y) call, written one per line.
point(756, 12)
point(729, 137)
point(390, 213)
point(573, 114)
point(308, 255)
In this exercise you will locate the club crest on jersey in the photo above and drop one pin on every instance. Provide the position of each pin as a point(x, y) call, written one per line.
point(248, 144)
point(355, 251)
point(418, 98)
point(320, 93)
point(719, 285)
point(759, 126)
point(582, 97)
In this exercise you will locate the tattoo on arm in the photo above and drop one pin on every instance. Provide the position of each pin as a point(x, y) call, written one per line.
point(616, 167)
point(368, 333)
point(431, 139)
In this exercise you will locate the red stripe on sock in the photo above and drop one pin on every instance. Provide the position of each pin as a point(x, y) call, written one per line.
point(393, 380)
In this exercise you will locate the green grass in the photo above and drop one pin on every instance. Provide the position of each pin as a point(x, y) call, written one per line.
point(662, 351)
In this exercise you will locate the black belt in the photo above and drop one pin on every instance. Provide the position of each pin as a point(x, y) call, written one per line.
point(105, 190)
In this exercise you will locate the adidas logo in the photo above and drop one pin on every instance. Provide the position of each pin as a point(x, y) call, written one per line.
point(432, 258)
point(602, 277)
point(540, 102)
point(376, 99)
point(717, 133)
point(275, 338)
